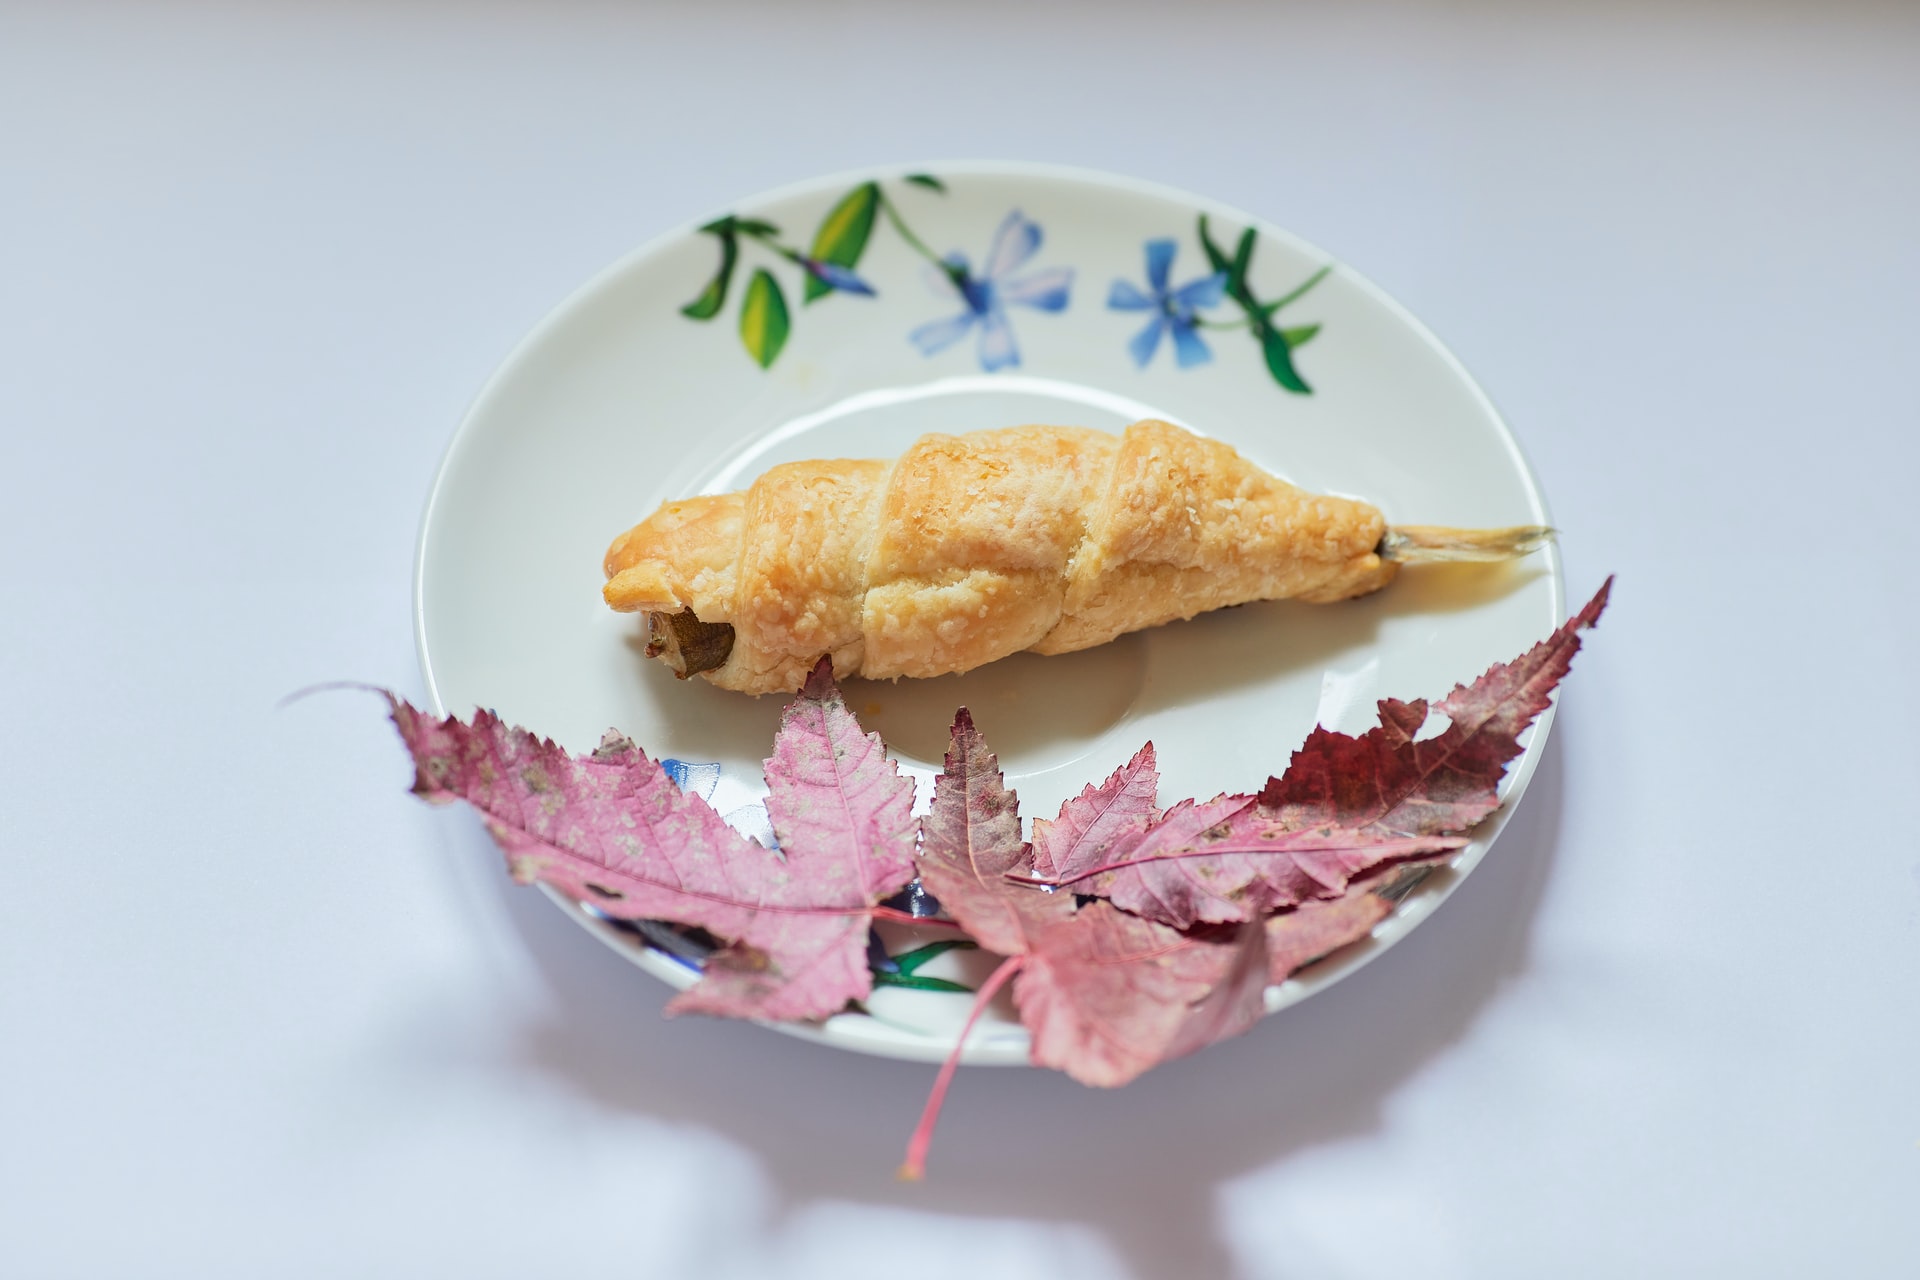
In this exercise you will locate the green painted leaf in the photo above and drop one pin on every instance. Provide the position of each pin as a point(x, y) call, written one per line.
point(1215, 257)
point(714, 296)
point(1235, 267)
point(764, 322)
point(726, 222)
point(1273, 345)
point(755, 227)
point(910, 961)
point(843, 233)
point(1242, 259)
point(928, 181)
point(765, 319)
point(919, 983)
point(1276, 345)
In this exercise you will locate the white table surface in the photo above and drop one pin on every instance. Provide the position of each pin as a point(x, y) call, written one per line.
point(264, 1014)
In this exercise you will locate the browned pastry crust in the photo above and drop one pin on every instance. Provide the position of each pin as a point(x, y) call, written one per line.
point(969, 548)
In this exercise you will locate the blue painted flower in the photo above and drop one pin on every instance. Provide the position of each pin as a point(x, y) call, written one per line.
point(700, 779)
point(987, 295)
point(1172, 308)
point(877, 958)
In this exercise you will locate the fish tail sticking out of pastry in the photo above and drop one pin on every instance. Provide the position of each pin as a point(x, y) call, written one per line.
point(969, 548)
point(1429, 544)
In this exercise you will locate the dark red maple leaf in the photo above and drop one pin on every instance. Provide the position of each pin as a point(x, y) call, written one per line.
point(1345, 806)
point(612, 829)
point(1385, 780)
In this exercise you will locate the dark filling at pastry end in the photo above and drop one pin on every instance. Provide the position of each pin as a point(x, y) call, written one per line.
point(687, 644)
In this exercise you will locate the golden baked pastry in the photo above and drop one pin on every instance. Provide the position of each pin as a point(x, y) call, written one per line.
point(970, 548)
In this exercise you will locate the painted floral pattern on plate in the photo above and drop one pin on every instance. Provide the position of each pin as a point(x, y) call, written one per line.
point(979, 300)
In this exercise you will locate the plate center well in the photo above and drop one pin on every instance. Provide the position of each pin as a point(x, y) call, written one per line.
point(1038, 713)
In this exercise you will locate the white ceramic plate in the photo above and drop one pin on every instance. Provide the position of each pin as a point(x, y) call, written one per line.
point(621, 399)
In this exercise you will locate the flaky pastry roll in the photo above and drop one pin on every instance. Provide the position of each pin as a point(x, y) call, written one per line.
point(969, 548)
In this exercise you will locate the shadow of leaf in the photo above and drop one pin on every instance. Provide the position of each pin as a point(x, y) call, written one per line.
point(1142, 1165)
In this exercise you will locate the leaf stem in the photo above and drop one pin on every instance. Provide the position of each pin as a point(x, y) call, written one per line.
point(907, 917)
point(331, 686)
point(1032, 882)
point(914, 1167)
point(1299, 292)
point(914, 242)
point(1407, 846)
point(768, 239)
point(1265, 309)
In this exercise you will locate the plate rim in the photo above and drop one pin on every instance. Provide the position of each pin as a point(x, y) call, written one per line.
point(857, 1032)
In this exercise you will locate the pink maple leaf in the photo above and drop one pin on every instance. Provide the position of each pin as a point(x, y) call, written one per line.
point(613, 830)
point(1106, 995)
point(970, 844)
point(1298, 937)
point(1212, 862)
point(1092, 823)
point(1227, 860)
